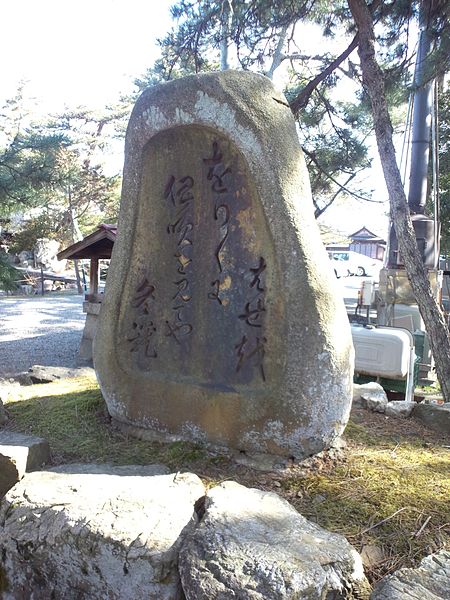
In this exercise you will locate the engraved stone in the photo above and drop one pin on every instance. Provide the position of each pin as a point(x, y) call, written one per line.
point(221, 323)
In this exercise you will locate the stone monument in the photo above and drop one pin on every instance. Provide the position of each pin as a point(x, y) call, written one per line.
point(221, 322)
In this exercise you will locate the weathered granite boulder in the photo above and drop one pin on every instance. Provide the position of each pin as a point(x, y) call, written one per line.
point(253, 545)
point(435, 416)
point(430, 581)
point(45, 251)
point(221, 321)
point(96, 532)
point(27, 451)
point(20, 453)
point(371, 396)
point(399, 408)
point(9, 475)
point(48, 374)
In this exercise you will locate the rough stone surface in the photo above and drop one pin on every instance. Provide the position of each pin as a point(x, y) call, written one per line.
point(371, 396)
point(27, 452)
point(8, 474)
point(45, 374)
point(102, 533)
point(221, 321)
point(399, 408)
point(253, 545)
point(45, 252)
point(3, 413)
point(436, 416)
point(430, 581)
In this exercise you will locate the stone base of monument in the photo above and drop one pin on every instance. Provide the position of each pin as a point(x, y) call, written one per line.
point(261, 461)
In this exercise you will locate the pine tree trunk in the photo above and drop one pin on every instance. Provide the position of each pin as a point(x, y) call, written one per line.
point(373, 82)
point(227, 13)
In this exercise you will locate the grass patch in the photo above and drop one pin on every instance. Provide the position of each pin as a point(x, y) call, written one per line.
point(389, 493)
point(386, 490)
point(71, 414)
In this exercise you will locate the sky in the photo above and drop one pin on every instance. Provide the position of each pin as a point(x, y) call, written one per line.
point(84, 52)
point(88, 52)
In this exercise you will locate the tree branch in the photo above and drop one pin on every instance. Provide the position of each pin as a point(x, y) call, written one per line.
point(331, 178)
point(301, 100)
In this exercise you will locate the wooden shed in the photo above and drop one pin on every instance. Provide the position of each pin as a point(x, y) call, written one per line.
point(366, 242)
point(95, 247)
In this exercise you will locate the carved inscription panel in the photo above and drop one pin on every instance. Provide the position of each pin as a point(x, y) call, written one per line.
point(200, 300)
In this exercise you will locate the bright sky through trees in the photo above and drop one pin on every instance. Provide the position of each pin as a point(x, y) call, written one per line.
point(89, 52)
point(84, 52)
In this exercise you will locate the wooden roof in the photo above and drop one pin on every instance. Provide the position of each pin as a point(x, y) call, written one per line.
point(98, 244)
point(365, 235)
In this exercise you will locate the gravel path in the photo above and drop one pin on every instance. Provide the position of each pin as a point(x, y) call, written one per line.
point(39, 330)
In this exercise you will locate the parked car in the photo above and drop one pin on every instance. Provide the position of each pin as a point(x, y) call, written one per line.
point(347, 262)
point(340, 265)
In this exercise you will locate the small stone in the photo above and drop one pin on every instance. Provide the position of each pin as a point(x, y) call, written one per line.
point(277, 484)
point(318, 499)
point(372, 555)
point(435, 416)
point(27, 452)
point(8, 474)
point(399, 408)
point(373, 397)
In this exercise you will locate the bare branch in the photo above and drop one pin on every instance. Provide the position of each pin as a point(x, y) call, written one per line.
point(311, 156)
point(301, 100)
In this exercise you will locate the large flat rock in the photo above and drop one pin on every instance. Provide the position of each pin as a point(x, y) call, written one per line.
point(253, 545)
point(430, 581)
point(96, 532)
point(221, 321)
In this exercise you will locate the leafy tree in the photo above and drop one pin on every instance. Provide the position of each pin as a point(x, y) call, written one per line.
point(9, 276)
point(55, 167)
point(263, 35)
point(27, 158)
point(373, 81)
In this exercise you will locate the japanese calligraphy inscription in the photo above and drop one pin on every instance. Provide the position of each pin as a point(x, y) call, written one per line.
point(220, 323)
point(199, 304)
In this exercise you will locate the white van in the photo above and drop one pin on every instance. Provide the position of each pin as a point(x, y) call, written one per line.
point(347, 262)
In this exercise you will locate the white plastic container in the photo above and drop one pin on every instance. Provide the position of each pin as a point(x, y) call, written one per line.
point(382, 351)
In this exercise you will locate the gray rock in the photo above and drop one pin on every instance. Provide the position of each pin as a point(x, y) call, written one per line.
point(430, 581)
point(26, 451)
point(45, 251)
point(435, 416)
point(253, 545)
point(371, 396)
point(8, 474)
point(45, 374)
point(3, 414)
point(99, 534)
point(221, 323)
point(23, 379)
point(399, 408)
